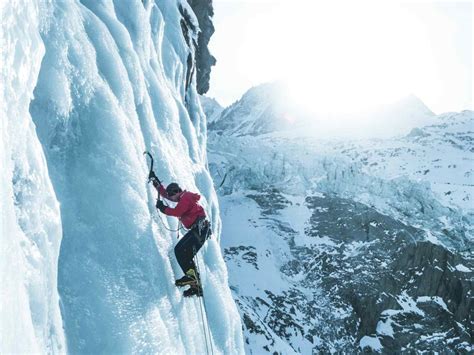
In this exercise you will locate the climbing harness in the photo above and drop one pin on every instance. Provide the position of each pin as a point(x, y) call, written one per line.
point(201, 224)
point(203, 309)
point(204, 224)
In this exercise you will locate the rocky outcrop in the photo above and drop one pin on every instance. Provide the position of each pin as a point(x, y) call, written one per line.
point(204, 60)
point(401, 289)
point(355, 274)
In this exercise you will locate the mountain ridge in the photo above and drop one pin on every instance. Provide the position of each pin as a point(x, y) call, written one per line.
point(354, 245)
point(266, 108)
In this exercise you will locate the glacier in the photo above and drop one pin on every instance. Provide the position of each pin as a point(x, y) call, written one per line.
point(354, 245)
point(87, 87)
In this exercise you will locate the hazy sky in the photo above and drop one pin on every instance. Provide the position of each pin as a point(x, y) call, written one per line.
point(349, 54)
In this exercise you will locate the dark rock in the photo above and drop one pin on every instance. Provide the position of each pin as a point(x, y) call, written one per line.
point(246, 253)
point(372, 276)
point(204, 59)
point(188, 28)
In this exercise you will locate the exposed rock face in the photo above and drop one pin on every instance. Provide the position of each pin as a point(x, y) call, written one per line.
point(354, 274)
point(204, 60)
point(394, 268)
point(189, 28)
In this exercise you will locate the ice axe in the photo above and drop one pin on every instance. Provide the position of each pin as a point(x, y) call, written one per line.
point(151, 174)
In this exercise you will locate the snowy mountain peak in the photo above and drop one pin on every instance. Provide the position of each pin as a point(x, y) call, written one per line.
point(413, 102)
point(267, 108)
point(212, 109)
point(260, 110)
point(268, 92)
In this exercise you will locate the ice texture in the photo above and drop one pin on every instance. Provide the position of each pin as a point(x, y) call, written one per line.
point(108, 80)
point(30, 220)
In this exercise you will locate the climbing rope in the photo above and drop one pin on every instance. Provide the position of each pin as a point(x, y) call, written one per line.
point(180, 225)
point(202, 302)
point(203, 309)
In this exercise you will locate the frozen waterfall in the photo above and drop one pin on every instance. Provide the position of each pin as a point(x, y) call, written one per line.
point(87, 86)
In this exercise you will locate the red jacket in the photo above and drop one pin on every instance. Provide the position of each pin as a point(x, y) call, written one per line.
point(187, 209)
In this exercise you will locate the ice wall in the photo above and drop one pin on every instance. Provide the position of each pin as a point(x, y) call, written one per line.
point(30, 221)
point(112, 84)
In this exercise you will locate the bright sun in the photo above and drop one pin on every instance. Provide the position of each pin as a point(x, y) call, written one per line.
point(340, 57)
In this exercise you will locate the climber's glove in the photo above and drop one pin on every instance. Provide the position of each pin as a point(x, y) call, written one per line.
point(161, 206)
point(153, 178)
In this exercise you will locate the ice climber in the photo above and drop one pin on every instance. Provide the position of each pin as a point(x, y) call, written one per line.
point(193, 218)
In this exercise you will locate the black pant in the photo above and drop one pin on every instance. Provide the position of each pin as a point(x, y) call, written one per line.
point(190, 244)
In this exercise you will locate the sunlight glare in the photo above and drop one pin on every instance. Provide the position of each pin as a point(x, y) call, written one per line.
point(337, 57)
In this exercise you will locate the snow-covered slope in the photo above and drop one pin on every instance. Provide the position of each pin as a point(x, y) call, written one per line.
point(260, 110)
point(351, 244)
point(87, 86)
